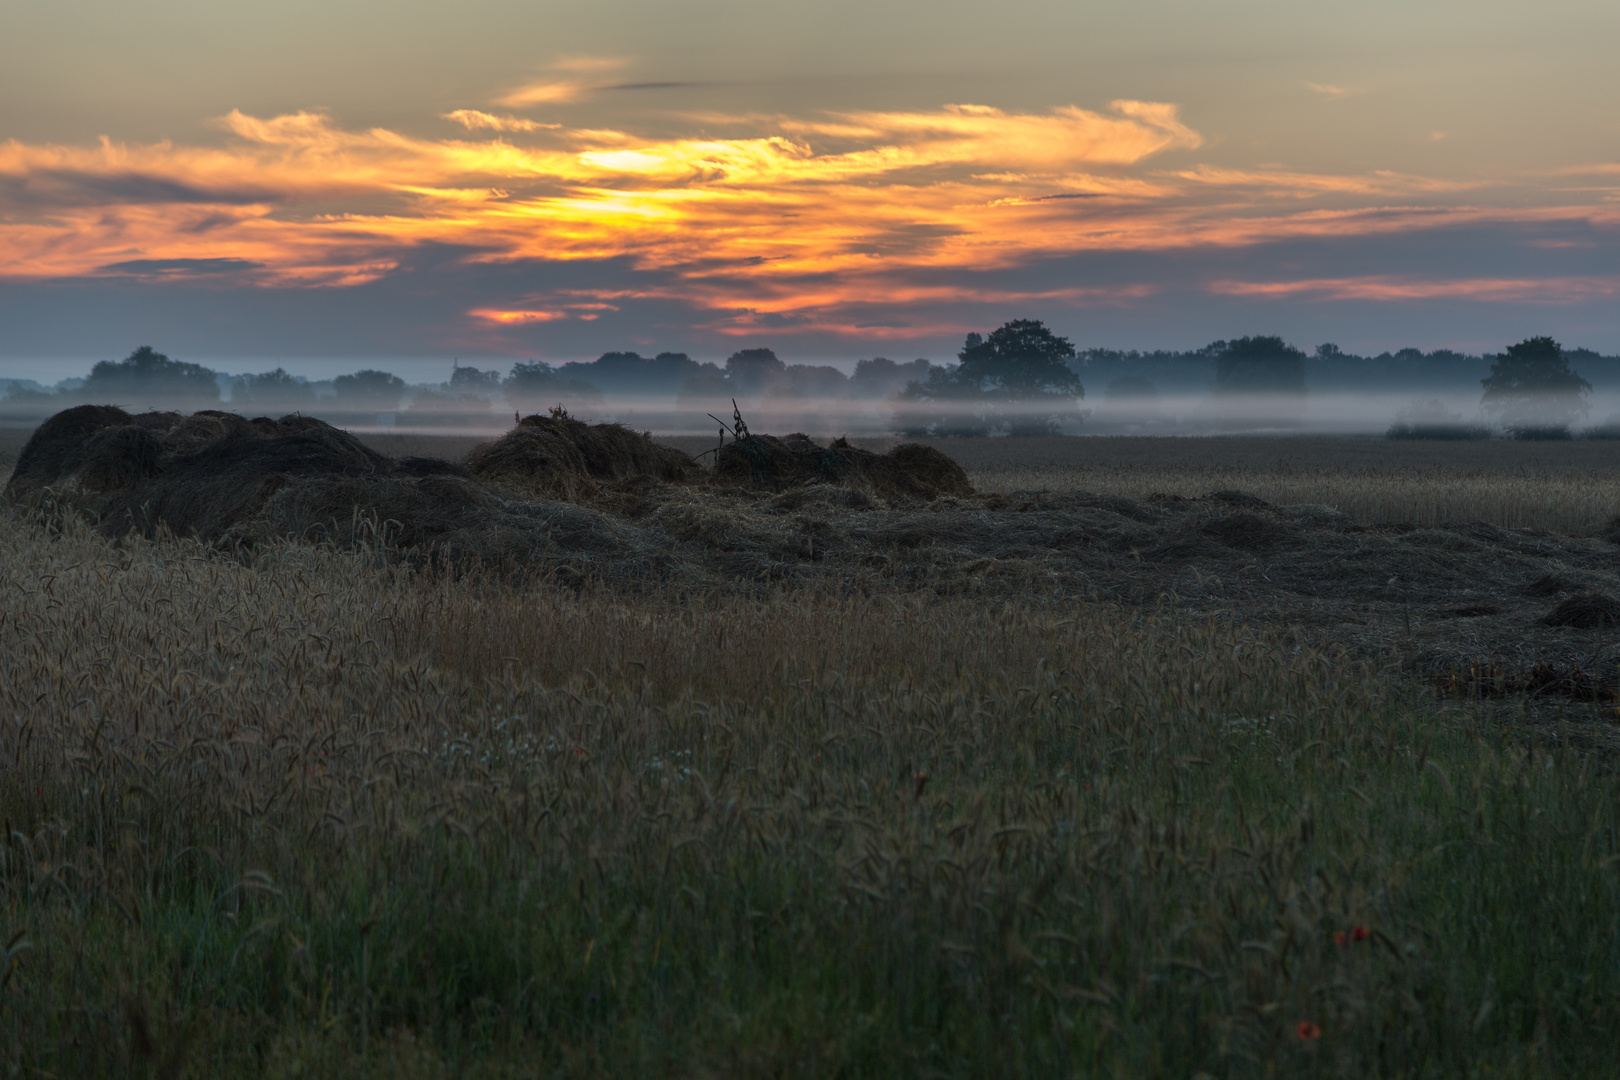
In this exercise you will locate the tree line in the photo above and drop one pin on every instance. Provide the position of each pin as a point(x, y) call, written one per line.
point(1019, 379)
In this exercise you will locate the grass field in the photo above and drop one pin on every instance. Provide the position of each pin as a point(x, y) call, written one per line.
point(305, 814)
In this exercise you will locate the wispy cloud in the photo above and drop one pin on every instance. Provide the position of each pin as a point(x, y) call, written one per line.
point(1331, 91)
point(473, 120)
point(1386, 288)
point(567, 79)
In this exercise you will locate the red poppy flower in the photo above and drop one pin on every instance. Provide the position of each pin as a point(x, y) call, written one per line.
point(1307, 1030)
point(1340, 939)
point(1361, 933)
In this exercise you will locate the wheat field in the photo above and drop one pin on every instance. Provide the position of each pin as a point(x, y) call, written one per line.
point(299, 813)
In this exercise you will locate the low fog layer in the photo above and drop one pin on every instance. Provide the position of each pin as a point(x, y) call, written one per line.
point(1020, 379)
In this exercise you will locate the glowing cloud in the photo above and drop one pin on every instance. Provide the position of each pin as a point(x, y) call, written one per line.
point(550, 90)
point(762, 221)
point(1556, 290)
point(472, 120)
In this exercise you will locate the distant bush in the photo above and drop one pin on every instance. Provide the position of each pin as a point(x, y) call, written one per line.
point(1437, 431)
point(1609, 429)
point(1541, 432)
point(1432, 420)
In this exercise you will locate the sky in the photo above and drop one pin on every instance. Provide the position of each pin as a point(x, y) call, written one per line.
point(320, 185)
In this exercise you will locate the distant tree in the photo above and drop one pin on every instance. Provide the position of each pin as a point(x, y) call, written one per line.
point(881, 377)
point(1260, 365)
point(709, 390)
point(630, 373)
point(147, 378)
point(469, 380)
point(1533, 390)
point(1137, 388)
point(814, 381)
point(1017, 380)
point(26, 401)
point(17, 391)
point(753, 371)
point(1428, 418)
point(536, 385)
point(368, 391)
point(271, 391)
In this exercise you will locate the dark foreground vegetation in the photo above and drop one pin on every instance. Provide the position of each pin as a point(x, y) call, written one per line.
point(812, 774)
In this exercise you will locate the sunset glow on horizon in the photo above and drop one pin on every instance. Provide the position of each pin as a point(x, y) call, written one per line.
point(552, 217)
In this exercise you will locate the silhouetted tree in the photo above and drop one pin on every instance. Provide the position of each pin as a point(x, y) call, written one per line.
point(535, 385)
point(1534, 391)
point(147, 378)
point(469, 380)
point(881, 377)
point(368, 391)
point(1018, 380)
point(1260, 365)
point(753, 371)
point(271, 391)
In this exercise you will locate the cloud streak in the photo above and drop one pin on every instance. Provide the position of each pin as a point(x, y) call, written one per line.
point(823, 224)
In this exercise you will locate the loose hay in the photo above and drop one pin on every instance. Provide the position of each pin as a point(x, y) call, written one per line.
point(909, 471)
point(1587, 611)
point(559, 457)
point(1441, 597)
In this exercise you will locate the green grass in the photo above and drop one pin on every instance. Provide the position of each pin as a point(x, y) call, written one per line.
point(306, 817)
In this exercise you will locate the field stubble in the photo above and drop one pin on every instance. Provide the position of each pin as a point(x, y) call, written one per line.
point(302, 814)
point(1571, 488)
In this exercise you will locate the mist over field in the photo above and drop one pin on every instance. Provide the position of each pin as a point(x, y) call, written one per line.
point(1103, 392)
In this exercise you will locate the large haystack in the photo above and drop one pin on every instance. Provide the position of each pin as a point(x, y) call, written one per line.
point(236, 482)
point(98, 457)
point(910, 471)
point(558, 457)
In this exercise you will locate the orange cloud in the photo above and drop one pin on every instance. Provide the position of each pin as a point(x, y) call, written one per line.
point(472, 119)
point(1556, 290)
point(551, 90)
point(759, 219)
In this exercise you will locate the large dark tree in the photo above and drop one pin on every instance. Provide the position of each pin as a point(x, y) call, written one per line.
point(147, 378)
point(754, 371)
point(1017, 380)
point(368, 391)
point(1260, 365)
point(1534, 391)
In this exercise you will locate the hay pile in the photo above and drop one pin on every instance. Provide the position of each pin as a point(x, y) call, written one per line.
point(790, 512)
point(558, 457)
point(235, 483)
point(1587, 611)
point(910, 471)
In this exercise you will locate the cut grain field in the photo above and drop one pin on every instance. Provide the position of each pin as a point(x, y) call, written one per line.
point(305, 809)
point(1568, 487)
